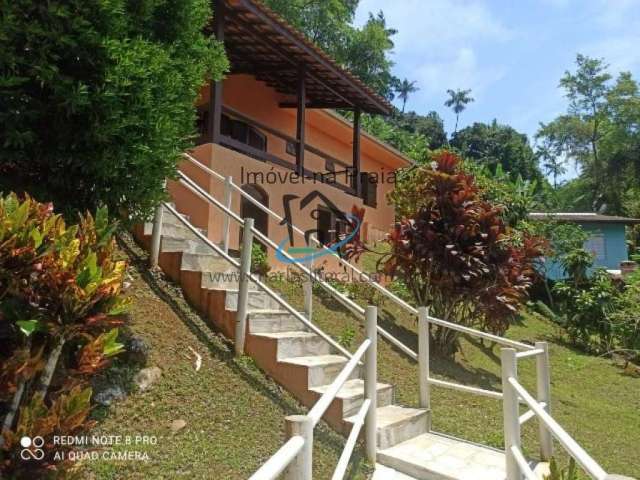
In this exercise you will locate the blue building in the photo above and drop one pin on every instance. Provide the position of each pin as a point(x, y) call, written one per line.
point(606, 238)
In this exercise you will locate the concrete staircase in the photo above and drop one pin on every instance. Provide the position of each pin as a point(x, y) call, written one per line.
point(305, 364)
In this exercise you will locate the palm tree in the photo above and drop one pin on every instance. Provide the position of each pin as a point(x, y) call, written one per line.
point(404, 89)
point(457, 102)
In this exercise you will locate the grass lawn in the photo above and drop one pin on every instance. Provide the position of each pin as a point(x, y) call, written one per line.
point(594, 400)
point(234, 415)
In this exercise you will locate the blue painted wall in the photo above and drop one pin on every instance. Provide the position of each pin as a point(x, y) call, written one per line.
point(609, 241)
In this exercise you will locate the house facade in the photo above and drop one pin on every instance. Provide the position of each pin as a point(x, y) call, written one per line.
point(607, 240)
point(271, 126)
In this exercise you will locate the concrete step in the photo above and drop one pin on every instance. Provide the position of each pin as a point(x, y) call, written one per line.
point(174, 229)
point(322, 369)
point(397, 424)
point(180, 244)
point(204, 262)
point(433, 456)
point(352, 395)
point(257, 300)
point(273, 321)
point(297, 344)
point(385, 473)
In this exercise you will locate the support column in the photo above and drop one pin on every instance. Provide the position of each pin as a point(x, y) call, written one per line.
point(357, 184)
point(300, 119)
point(301, 468)
point(215, 98)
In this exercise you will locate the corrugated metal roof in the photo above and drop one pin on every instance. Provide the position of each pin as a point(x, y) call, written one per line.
point(582, 217)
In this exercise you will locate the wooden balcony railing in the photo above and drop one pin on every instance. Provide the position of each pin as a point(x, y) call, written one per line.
point(343, 169)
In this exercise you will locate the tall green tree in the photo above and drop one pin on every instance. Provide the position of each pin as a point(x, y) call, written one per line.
point(496, 145)
point(365, 51)
point(458, 101)
point(405, 89)
point(97, 97)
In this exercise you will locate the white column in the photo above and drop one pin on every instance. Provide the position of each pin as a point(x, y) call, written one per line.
point(370, 382)
point(156, 236)
point(544, 395)
point(243, 286)
point(510, 411)
point(301, 468)
point(226, 220)
point(423, 357)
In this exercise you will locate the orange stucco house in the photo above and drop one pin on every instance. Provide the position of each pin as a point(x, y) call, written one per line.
point(270, 125)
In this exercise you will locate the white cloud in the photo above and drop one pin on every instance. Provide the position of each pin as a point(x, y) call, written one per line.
point(436, 23)
point(460, 70)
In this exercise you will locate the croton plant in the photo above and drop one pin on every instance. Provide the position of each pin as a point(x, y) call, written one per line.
point(60, 306)
point(455, 253)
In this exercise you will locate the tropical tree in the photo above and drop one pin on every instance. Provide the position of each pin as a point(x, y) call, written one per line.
point(552, 163)
point(98, 97)
point(496, 145)
point(458, 101)
point(404, 89)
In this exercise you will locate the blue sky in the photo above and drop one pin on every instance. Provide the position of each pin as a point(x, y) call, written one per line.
point(511, 53)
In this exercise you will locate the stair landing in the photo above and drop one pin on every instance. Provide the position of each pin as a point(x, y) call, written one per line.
point(433, 456)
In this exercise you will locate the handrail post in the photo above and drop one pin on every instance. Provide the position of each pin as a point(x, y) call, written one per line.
point(156, 236)
point(226, 221)
point(544, 395)
point(308, 285)
point(423, 357)
point(301, 468)
point(510, 411)
point(243, 287)
point(370, 382)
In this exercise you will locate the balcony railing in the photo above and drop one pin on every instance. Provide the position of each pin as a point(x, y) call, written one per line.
point(343, 170)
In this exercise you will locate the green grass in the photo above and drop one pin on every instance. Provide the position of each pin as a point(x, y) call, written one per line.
point(234, 414)
point(594, 400)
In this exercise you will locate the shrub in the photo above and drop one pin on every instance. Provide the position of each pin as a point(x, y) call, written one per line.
point(60, 302)
point(259, 259)
point(625, 319)
point(98, 97)
point(587, 309)
point(454, 251)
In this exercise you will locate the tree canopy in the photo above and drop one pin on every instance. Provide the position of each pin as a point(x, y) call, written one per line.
point(97, 98)
point(496, 145)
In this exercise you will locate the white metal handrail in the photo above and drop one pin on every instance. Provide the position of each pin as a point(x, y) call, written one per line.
point(302, 447)
point(590, 466)
point(257, 281)
point(273, 467)
point(320, 407)
point(366, 277)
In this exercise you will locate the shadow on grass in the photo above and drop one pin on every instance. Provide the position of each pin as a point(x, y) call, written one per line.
point(219, 347)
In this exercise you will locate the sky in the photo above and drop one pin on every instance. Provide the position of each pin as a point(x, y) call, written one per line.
point(510, 53)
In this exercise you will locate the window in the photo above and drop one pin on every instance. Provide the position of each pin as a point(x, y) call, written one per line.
point(243, 132)
point(369, 189)
point(332, 227)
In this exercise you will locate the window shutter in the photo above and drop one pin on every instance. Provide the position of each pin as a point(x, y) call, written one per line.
point(369, 189)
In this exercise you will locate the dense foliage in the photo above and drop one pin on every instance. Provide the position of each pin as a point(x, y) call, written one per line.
point(496, 145)
point(455, 252)
point(60, 302)
point(97, 97)
point(329, 24)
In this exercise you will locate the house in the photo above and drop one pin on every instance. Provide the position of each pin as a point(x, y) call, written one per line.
point(606, 239)
point(271, 126)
